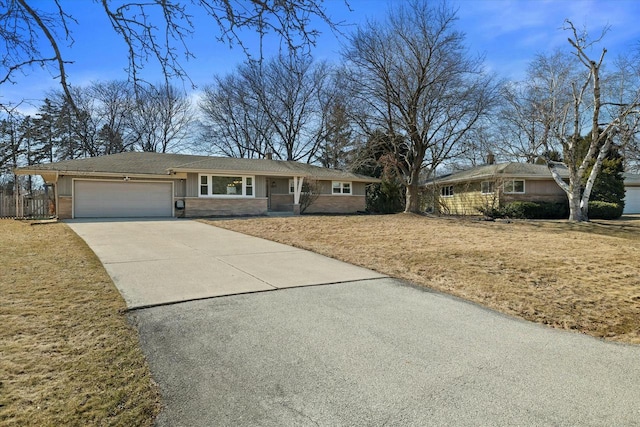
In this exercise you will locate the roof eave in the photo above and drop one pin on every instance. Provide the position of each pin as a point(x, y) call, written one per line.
point(492, 176)
point(272, 174)
point(23, 171)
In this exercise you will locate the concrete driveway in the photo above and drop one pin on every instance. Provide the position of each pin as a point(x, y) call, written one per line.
point(155, 262)
point(369, 352)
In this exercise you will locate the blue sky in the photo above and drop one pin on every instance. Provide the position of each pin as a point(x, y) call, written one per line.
point(508, 32)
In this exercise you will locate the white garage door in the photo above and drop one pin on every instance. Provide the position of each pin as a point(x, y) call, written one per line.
point(113, 199)
point(632, 200)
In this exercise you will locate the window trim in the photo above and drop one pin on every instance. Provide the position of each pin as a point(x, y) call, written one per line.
point(492, 187)
point(209, 185)
point(513, 181)
point(341, 186)
point(444, 189)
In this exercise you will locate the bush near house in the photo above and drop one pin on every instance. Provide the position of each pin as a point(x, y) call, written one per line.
point(528, 210)
point(604, 210)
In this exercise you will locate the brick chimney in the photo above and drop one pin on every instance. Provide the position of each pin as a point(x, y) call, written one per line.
point(491, 159)
point(269, 155)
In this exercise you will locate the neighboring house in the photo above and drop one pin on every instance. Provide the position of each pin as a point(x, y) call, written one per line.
point(493, 185)
point(137, 184)
point(632, 193)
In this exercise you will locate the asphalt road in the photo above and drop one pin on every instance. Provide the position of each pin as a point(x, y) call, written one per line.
point(378, 353)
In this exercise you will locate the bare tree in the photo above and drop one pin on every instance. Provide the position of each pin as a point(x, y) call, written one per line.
point(156, 30)
point(232, 121)
point(290, 91)
point(418, 81)
point(531, 107)
point(161, 118)
point(622, 88)
point(585, 109)
point(280, 106)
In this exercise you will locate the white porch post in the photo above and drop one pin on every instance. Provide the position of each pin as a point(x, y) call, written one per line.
point(297, 191)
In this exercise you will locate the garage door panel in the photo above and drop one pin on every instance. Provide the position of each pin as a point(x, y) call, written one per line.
point(632, 200)
point(109, 199)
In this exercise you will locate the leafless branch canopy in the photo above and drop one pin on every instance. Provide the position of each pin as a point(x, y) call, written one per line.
point(153, 30)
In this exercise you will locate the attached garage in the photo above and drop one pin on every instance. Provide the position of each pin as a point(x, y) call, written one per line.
point(632, 200)
point(122, 199)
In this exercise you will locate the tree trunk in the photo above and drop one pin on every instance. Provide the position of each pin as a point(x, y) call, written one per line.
point(413, 199)
point(575, 210)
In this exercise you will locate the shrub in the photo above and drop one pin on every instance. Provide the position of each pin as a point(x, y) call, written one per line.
point(604, 210)
point(385, 197)
point(529, 210)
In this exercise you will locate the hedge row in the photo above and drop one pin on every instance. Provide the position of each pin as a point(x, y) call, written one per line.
point(548, 210)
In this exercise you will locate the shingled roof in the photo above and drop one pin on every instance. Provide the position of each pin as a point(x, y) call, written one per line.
point(144, 163)
point(502, 170)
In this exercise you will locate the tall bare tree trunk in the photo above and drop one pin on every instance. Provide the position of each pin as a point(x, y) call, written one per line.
point(412, 204)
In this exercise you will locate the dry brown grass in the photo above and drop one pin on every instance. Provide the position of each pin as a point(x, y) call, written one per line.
point(584, 277)
point(69, 356)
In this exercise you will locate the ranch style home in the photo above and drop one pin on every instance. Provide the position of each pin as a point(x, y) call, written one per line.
point(493, 185)
point(135, 184)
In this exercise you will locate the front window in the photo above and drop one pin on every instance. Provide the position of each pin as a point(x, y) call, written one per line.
point(447, 191)
point(486, 187)
point(514, 186)
point(341, 187)
point(214, 185)
point(204, 185)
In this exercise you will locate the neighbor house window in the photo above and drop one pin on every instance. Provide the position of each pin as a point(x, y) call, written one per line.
point(338, 187)
point(486, 187)
point(447, 191)
point(214, 185)
point(514, 186)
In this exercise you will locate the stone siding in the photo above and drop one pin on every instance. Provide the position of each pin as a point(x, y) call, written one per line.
point(282, 202)
point(64, 207)
point(204, 207)
point(337, 204)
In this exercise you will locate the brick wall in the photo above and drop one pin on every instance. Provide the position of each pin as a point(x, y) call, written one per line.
point(282, 202)
point(64, 207)
point(201, 207)
point(337, 204)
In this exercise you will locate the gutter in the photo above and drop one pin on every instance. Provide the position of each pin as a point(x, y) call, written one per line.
point(273, 174)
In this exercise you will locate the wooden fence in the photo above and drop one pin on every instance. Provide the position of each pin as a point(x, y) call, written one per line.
point(38, 206)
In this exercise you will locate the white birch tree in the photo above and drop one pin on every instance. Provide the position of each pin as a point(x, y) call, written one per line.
point(585, 109)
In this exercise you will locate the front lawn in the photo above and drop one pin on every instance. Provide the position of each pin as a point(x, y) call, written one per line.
point(69, 357)
point(584, 277)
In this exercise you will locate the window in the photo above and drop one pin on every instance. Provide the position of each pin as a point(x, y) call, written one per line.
point(447, 191)
point(486, 187)
point(248, 186)
point(305, 186)
point(341, 187)
point(204, 185)
point(239, 186)
point(514, 186)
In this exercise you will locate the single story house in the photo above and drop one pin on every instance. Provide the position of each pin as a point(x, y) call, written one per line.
point(493, 185)
point(135, 184)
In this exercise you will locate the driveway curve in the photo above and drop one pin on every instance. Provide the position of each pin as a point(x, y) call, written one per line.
point(364, 351)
